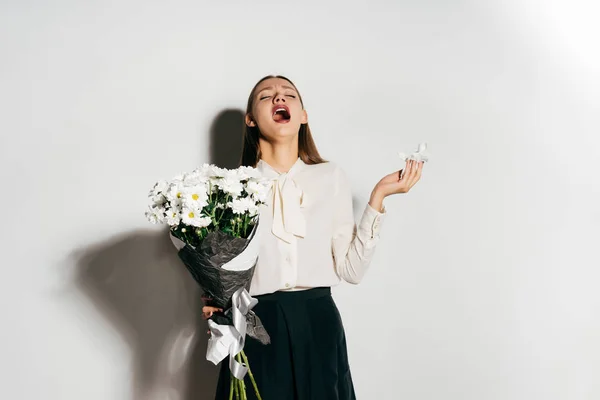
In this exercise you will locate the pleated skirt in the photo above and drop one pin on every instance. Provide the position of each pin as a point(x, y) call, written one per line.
point(307, 358)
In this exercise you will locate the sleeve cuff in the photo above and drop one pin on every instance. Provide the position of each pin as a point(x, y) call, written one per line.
point(371, 221)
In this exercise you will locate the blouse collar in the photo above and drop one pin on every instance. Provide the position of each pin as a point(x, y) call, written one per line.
point(288, 198)
point(267, 170)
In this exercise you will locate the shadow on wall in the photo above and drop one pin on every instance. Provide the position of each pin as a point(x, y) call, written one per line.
point(137, 282)
point(225, 147)
point(225, 151)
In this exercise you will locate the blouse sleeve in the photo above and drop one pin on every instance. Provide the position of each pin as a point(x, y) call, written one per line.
point(352, 245)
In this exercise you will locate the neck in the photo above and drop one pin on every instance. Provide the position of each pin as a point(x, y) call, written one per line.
point(281, 156)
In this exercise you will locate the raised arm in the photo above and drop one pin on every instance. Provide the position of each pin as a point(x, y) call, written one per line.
point(353, 245)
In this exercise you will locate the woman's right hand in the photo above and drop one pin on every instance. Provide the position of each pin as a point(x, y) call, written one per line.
point(207, 311)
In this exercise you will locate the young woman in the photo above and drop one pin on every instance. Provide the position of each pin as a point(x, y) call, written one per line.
point(309, 242)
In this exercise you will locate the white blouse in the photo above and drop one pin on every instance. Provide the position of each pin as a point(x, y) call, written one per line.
point(308, 235)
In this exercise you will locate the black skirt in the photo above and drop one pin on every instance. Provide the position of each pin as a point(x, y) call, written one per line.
point(307, 357)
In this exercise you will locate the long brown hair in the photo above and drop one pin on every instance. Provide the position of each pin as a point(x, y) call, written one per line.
point(307, 149)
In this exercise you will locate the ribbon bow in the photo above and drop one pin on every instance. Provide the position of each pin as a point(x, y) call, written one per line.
point(230, 339)
point(288, 220)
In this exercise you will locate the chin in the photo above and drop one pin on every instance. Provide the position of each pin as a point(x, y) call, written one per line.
point(282, 131)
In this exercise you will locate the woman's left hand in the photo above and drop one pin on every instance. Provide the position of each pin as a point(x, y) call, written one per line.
point(397, 182)
point(401, 181)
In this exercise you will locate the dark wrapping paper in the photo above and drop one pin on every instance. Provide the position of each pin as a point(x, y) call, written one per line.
point(204, 264)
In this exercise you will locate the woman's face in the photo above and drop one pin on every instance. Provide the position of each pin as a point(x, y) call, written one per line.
point(277, 110)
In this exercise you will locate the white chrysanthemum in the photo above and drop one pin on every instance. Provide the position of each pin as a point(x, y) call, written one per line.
point(259, 190)
point(231, 174)
point(245, 172)
point(194, 217)
point(211, 170)
point(173, 216)
point(214, 183)
point(204, 222)
point(241, 173)
point(175, 191)
point(253, 187)
point(195, 197)
point(176, 204)
point(158, 188)
point(231, 186)
point(155, 215)
point(157, 200)
point(203, 173)
point(253, 209)
point(192, 179)
point(178, 178)
point(235, 175)
point(237, 206)
point(241, 206)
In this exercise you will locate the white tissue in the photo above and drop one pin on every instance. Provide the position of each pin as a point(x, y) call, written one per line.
point(419, 155)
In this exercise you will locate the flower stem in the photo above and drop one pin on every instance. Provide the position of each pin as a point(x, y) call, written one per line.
point(224, 208)
point(251, 376)
point(241, 382)
point(231, 387)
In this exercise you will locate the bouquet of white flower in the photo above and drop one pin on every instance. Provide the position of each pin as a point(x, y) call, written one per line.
point(213, 214)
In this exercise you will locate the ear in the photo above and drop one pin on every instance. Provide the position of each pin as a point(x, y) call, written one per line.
point(249, 121)
point(304, 119)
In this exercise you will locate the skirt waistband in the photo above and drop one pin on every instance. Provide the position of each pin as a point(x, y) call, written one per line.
point(295, 295)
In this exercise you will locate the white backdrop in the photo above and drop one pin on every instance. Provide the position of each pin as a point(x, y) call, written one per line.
point(484, 285)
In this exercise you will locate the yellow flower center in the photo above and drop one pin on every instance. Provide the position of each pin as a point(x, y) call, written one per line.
point(191, 214)
point(178, 195)
point(195, 196)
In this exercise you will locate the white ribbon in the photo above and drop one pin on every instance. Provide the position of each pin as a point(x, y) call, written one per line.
point(288, 220)
point(230, 339)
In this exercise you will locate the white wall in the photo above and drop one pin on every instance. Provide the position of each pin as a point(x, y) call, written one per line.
point(484, 285)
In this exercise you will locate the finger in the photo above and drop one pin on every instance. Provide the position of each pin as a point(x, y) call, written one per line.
point(409, 165)
point(409, 178)
point(417, 167)
point(420, 170)
point(414, 178)
point(413, 169)
point(208, 309)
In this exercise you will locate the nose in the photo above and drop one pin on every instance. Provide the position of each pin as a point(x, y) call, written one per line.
point(279, 99)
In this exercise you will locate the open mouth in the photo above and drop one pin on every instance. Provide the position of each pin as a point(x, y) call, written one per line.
point(281, 114)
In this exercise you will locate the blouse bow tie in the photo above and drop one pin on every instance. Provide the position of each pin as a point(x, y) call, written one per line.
point(288, 220)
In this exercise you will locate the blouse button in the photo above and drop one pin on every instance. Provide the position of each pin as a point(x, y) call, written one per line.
point(287, 285)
